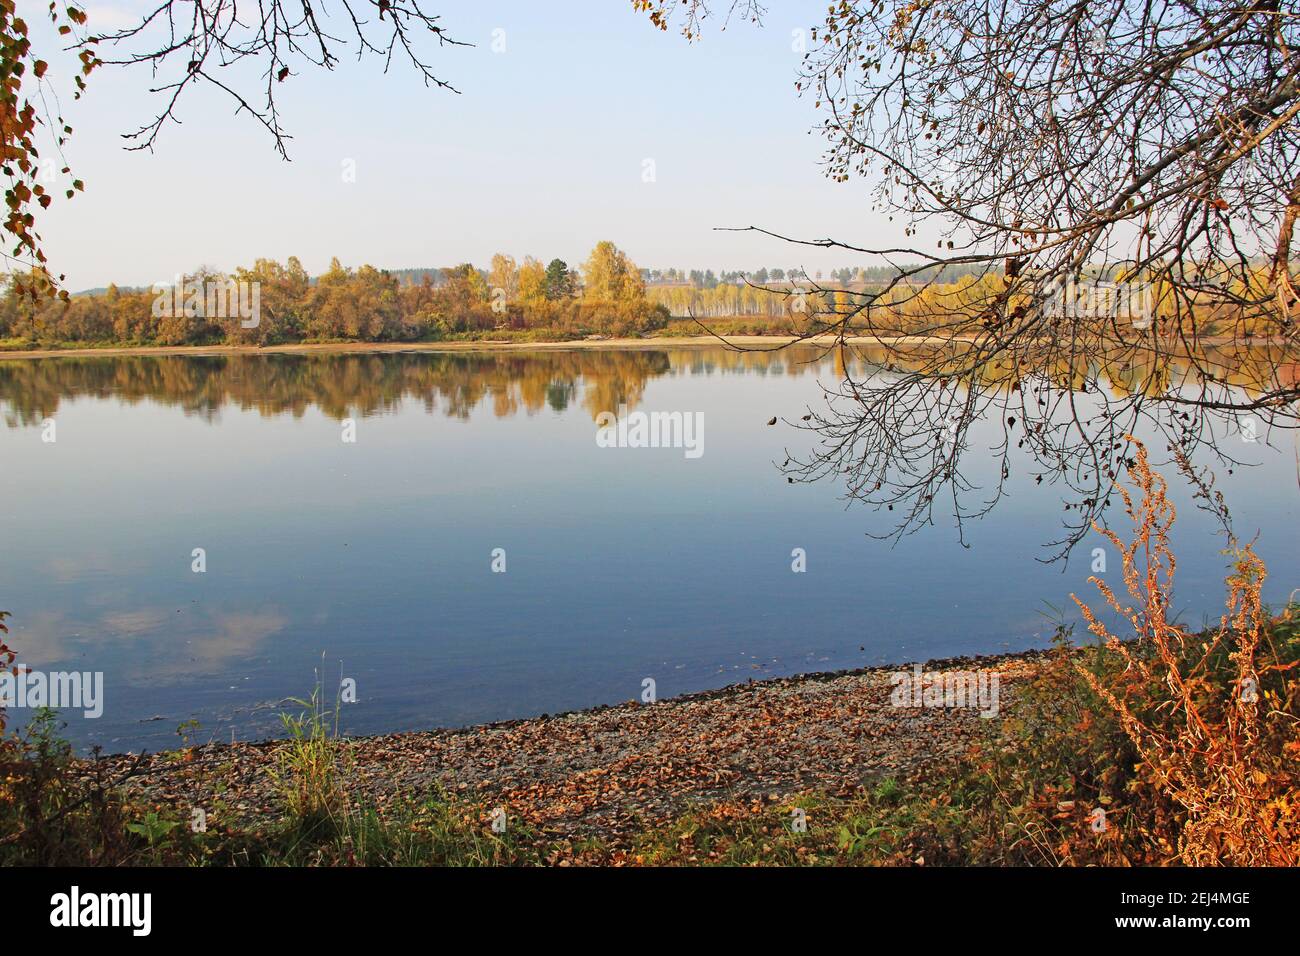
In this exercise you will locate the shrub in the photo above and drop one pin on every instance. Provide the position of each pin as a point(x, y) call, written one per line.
point(1222, 739)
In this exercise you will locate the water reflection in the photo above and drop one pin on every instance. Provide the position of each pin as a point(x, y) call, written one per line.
point(508, 382)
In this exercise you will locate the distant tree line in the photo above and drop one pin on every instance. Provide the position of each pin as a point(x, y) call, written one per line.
point(606, 295)
point(846, 277)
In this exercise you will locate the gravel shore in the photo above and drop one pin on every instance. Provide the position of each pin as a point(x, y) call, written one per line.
point(612, 771)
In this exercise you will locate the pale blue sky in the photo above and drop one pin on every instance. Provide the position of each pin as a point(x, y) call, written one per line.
point(541, 154)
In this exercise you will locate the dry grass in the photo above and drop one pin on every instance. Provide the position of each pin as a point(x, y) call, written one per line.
point(1222, 750)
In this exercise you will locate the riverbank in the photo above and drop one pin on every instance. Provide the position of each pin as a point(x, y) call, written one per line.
point(828, 769)
point(675, 342)
point(595, 343)
point(609, 774)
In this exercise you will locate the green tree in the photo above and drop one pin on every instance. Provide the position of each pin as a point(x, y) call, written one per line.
point(559, 281)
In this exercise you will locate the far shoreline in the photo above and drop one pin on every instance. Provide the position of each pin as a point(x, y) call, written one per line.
point(755, 343)
point(490, 345)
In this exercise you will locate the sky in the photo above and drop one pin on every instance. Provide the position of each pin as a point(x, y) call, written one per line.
point(545, 150)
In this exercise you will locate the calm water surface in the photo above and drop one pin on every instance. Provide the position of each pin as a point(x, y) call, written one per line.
point(373, 559)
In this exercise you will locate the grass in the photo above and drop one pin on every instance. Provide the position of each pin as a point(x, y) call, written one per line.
point(309, 768)
point(53, 815)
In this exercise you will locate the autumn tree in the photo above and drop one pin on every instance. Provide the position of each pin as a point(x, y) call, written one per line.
point(466, 285)
point(360, 305)
point(609, 276)
point(532, 282)
point(26, 168)
point(504, 275)
point(283, 290)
